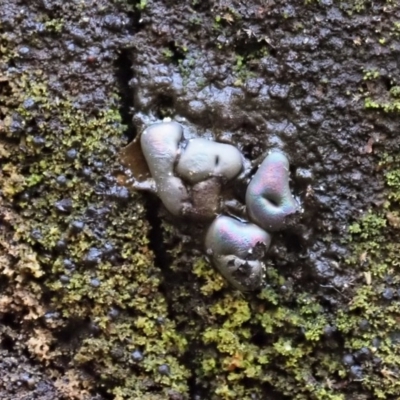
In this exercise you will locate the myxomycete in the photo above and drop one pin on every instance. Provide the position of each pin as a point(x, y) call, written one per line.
point(236, 249)
point(188, 175)
point(269, 200)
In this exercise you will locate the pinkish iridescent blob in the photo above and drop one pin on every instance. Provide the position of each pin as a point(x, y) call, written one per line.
point(236, 249)
point(188, 180)
point(160, 144)
point(268, 198)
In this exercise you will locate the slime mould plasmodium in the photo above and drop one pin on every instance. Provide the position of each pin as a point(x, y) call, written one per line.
point(189, 176)
point(237, 249)
point(269, 200)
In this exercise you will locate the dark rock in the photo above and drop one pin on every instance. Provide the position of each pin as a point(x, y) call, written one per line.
point(388, 294)
point(364, 325)
point(113, 313)
point(356, 372)
point(120, 193)
point(363, 354)
point(348, 360)
point(29, 103)
point(376, 342)
point(95, 282)
point(137, 356)
point(36, 235)
point(24, 51)
point(164, 369)
point(108, 249)
point(329, 331)
point(68, 264)
point(77, 226)
point(64, 205)
point(38, 141)
point(61, 245)
point(52, 315)
point(62, 180)
point(71, 154)
point(93, 257)
point(65, 279)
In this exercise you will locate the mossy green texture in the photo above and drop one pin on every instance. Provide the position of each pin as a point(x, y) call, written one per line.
point(390, 103)
point(294, 353)
point(127, 281)
point(375, 238)
point(297, 356)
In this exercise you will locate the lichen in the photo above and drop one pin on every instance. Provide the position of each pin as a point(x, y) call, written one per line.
point(85, 274)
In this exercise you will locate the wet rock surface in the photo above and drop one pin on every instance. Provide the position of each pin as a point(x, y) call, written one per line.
point(275, 97)
point(78, 81)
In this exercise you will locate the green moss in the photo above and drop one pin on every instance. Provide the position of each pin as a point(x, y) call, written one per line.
point(369, 226)
point(54, 25)
point(296, 356)
point(371, 74)
point(212, 280)
point(376, 255)
point(142, 4)
point(131, 285)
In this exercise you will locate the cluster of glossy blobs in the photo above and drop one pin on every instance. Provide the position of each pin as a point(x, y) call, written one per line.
point(189, 177)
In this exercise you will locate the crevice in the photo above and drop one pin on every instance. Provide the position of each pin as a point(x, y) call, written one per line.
point(387, 82)
point(273, 52)
point(248, 150)
point(177, 55)
point(124, 74)
point(196, 391)
point(135, 18)
point(155, 235)
point(293, 243)
point(292, 170)
point(268, 390)
point(157, 245)
point(201, 5)
point(71, 334)
point(165, 106)
point(253, 49)
point(5, 89)
point(103, 392)
point(9, 319)
point(7, 343)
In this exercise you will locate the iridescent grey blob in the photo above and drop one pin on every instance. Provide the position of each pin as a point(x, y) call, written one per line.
point(160, 143)
point(188, 180)
point(268, 198)
point(236, 249)
point(204, 158)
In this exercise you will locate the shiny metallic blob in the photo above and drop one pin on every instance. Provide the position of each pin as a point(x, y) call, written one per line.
point(236, 249)
point(269, 200)
point(160, 144)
